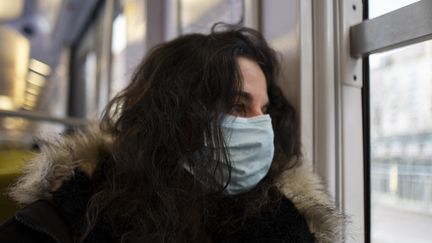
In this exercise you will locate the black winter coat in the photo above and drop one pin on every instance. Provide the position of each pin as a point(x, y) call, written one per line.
point(54, 189)
point(41, 222)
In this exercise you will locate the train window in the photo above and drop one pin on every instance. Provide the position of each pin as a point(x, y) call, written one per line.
point(380, 7)
point(199, 16)
point(118, 54)
point(400, 89)
point(88, 86)
point(128, 42)
point(401, 144)
point(395, 42)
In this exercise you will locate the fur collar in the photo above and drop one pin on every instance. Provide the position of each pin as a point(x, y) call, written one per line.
point(59, 158)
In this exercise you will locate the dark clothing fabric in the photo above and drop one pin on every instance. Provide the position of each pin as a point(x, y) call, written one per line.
point(284, 224)
point(62, 219)
point(41, 222)
point(57, 184)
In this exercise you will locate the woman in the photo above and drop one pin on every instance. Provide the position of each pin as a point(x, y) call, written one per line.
point(202, 146)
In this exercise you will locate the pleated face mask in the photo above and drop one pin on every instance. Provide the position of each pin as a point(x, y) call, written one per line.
point(249, 143)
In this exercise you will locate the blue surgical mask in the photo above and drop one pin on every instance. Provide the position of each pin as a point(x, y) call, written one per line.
point(249, 143)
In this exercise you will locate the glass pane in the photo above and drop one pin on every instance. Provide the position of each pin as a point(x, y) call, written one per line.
point(199, 16)
point(401, 144)
point(380, 7)
point(89, 87)
point(128, 43)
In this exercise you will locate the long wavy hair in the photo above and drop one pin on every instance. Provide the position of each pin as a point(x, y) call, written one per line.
point(159, 124)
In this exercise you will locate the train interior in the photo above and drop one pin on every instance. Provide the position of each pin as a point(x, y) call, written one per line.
point(359, 72)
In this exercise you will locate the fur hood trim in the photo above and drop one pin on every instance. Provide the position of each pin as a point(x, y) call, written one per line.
point(56, 163)
point(306, 191)
point(59, 158)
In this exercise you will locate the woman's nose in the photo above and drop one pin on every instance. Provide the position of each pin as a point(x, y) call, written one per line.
point(255, 111)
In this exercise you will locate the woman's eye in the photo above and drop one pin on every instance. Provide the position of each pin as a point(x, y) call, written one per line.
point(265, 109)
point(238, 110)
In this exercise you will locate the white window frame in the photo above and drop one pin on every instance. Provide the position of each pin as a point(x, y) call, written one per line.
point(341, 37)
point(337, 109)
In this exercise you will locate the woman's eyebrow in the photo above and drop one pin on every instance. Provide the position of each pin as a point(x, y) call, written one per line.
point(244, 95)
point(248, 97)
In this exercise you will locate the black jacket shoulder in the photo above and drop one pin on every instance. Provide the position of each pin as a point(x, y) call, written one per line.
point(37, 222)
point(282, 225)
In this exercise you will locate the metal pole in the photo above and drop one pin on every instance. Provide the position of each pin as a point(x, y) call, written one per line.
point(75, 122)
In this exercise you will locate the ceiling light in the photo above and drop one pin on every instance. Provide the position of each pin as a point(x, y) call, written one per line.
point(31, 98)
point(27, 107)
point(10, 9)
point(14, 56)
point(34, 90)
point(6, 103)
point(39, 67)
point(30, 103)
point(36, 79)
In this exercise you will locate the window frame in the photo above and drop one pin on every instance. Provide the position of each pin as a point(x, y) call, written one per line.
point(337, 109)
point(370, 36)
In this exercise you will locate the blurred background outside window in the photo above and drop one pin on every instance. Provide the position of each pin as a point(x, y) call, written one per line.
point(401, 139)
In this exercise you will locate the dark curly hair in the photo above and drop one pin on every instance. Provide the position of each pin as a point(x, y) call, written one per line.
point(159, 123)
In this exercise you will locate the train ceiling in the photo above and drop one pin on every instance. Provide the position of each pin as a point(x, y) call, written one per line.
point(33, 34)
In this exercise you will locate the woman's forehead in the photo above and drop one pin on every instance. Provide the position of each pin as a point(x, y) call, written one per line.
point(254, 80)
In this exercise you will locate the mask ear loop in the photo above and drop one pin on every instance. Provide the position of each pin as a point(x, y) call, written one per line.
point(224, 138)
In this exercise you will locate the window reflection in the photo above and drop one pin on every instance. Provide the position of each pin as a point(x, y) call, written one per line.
point(401, 144)
point(199, 16)
point(380, 7)
point(128, 42)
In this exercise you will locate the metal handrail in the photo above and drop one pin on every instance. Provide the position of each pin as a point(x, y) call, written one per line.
point(70, 121)
point(405, 26)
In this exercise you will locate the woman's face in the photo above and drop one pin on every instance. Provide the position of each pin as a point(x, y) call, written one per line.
point(253, 99)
